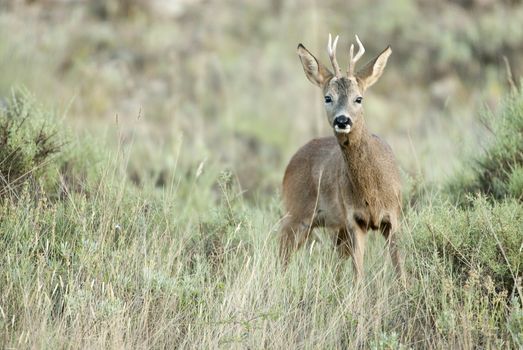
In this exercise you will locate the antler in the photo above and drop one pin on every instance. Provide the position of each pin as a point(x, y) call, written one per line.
point(352, 59)
point(331, 48)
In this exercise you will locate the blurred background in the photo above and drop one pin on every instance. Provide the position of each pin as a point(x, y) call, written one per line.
point(193, 84)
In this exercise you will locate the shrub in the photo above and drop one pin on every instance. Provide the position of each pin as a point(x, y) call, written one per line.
point(498, 172)
point(28, 142)
point(485, 237)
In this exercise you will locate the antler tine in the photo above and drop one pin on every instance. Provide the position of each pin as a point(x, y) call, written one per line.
point(361, 50)
point(354, 59)
point(331, 48)
point(351, 54)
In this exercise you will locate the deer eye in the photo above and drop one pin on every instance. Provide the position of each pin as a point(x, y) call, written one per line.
point(328, 99)
point(358, 99)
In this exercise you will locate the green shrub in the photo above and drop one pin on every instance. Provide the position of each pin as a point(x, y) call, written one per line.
point(485, 237)
point(497, 172)
point(28, 142)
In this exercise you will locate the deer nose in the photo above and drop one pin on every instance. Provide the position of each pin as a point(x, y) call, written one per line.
point(342, 121)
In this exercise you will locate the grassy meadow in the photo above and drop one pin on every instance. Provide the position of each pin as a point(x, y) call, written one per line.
point(142, 146)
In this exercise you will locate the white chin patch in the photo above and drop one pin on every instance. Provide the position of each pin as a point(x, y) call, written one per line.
point(342, 131)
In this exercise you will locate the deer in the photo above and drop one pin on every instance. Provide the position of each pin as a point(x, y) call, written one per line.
point(349, 182)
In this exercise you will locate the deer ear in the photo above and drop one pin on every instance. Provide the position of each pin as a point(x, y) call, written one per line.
point(372, 71)
point(316, 72)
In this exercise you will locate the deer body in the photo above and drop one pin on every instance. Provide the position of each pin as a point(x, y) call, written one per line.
point(350, 182)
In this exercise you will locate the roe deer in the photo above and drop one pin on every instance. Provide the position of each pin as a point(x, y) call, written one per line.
point(348, 182)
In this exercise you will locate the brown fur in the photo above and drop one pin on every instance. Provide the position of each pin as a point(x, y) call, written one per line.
point(349, 183)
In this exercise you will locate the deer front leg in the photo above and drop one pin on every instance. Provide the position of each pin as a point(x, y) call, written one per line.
point(351, 242)
point(389, 232)
point(359, 238)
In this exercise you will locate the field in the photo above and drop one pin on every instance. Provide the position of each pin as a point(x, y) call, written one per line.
point(142, 147)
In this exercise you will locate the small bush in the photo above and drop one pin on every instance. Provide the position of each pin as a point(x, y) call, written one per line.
point(498, 172)
point(485, 237)
point(28, 142)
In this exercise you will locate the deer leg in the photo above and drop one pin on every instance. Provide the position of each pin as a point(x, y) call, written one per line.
point(351, 242)
point(359, 238)
point(292, 237)
point(390, 236)
point(343, 243)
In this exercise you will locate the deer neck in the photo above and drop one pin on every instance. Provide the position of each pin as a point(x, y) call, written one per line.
point(355, 148)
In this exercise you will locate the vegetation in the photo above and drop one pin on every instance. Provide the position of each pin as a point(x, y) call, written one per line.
point(498, 172)
point(27, 143)
point(117, 231)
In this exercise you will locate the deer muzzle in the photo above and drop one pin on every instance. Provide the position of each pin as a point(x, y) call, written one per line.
point(342, 124)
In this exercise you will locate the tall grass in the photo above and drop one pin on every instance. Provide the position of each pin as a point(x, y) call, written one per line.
point(115, 265)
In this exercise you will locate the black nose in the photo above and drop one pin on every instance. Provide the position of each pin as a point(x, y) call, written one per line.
point(342, 121)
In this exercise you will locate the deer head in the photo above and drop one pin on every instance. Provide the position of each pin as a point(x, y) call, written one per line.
point(343, 95)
